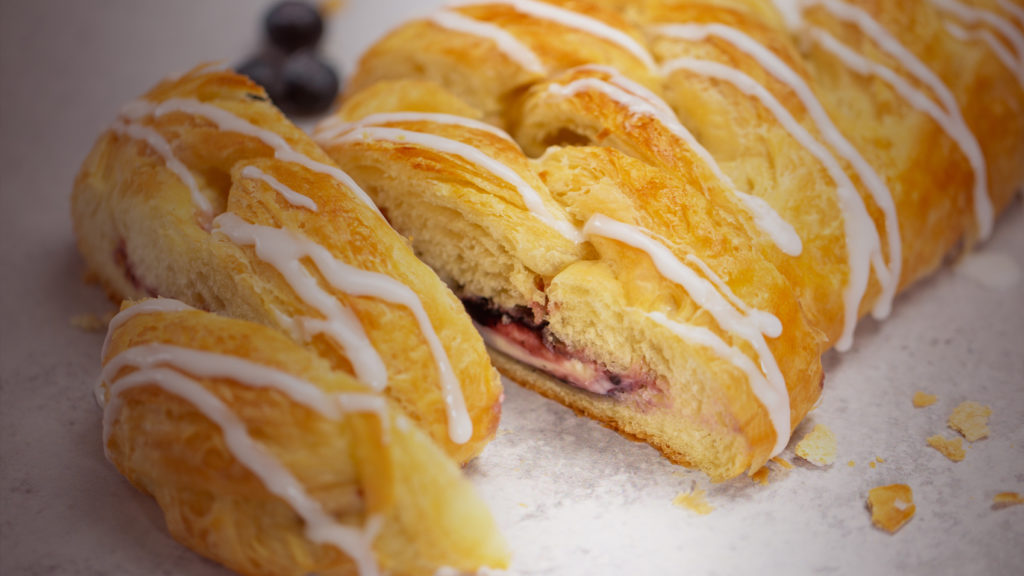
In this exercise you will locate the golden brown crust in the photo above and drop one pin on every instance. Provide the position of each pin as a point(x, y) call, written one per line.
point(355, 467)
point(141, 233)
point(600, 146)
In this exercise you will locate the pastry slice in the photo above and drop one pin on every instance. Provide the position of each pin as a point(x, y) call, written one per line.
point(634, 299)
point(268, 460)
point(202, 191)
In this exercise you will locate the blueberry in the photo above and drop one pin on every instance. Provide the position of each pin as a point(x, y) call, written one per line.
point(293, 25)
point(308, 85)
point(265, 70)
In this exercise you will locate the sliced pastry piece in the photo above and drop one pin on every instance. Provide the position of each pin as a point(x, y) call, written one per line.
point(268, 460)
point(806, 163)
point(203, 191)
point(635, 299)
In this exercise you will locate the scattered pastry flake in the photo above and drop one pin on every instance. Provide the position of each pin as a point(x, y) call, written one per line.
point(818, 447)
point(761, 476)
point(922, 399)
point(971, 420)
point(89, 322)
point(891, 506)
point(851, 464)
point(871, 464)
point(694, 501)
point(950, 448)
point(783, 462)
point(1006, 499)
point(879, 459)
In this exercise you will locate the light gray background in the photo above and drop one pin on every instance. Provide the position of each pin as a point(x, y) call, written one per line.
point(571, 497)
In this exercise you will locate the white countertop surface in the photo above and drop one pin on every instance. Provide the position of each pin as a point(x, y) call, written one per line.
point(571, 497)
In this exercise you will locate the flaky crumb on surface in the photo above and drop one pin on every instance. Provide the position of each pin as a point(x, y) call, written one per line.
point(1007, 499)
point(923, 399)
point(818, 447)
point(695, 501)
point(891, 506)
point(971, 420)
point(851, 463)
point(952, 448)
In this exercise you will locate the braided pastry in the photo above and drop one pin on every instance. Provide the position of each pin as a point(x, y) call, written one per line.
point(251, 432)
point(662, 213)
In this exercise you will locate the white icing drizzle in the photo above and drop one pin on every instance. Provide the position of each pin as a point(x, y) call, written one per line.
point(767, 323)
point(849, 199)
point(998, 48)
point(770, 390)
point(975, 16)
point(228, 122)
point(285, 251)
point(766, 392)
point(163, 148)
point(531, 198)
point(961, 133)
point(334, 126)
point(506, 43)
point(646, 103)
point(291, 196)
point(151, 306)
point(1015, 11)
point(953, 126)
point(571, 19)
point(320, 527)
point(865, 249)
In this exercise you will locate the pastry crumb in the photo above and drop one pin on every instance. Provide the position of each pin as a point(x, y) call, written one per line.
point(891, 506)
point(851, 464)
point(879, 459)
point(818, 447)
point(761, 476)
point(950, 448)
point(90, 322)
point(783, 462)
point(971, 420)
point(1006, 499)
point(871, 464)
point(694, 501)
point(923, 399)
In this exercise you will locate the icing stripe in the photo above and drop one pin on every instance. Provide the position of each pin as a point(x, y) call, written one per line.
point(291, 196)
point(956, 130)
point(531, 198)
point(849, 199)
point(157, 142)
point(319, 527)
point(286, 250)
point(152, 306)
point(771, 390)
point(228, 122)
point(764, 216)
point(335, 125)
point(506, 43)
point(974, 16)
point(868, 243)
point(575, 20)
point(1015, 12)
point(1001, 51)
point(983, 213)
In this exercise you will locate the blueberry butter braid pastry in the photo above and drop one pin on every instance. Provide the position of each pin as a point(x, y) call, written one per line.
point(662, 213)
point(267, 459)
point(202, 191)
